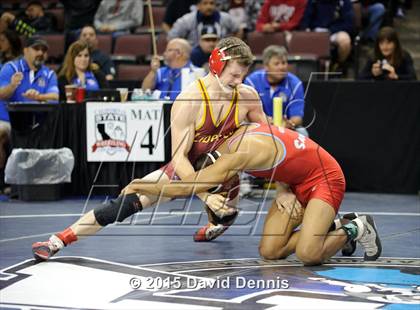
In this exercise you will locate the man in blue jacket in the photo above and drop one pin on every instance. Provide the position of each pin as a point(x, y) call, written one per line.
point(275, 81)
point(25, 79)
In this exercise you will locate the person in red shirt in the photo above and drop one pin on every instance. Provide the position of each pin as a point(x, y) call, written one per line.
point(280, 15)
point(313, 175)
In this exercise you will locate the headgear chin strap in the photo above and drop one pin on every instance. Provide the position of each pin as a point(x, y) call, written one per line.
point(218, 59)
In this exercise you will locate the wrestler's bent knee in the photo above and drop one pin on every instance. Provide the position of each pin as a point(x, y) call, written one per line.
point(308, 256)
point(270, 253)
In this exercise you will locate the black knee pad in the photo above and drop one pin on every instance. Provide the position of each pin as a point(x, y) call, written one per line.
point(117, 210)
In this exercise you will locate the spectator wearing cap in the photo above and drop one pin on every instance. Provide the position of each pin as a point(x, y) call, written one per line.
point(168, 79)
point(26, 79)
point(118, 16)
point(104, 61)
point(190, 25)
point(32, 19)
point(200, 54)
point(275, 81)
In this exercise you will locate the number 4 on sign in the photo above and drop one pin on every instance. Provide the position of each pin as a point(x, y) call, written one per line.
point(149, 146)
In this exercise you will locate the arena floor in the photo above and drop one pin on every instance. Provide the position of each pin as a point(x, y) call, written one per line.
point(151, 261)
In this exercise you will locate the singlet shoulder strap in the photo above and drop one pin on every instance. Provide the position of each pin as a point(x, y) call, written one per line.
point(204, 103)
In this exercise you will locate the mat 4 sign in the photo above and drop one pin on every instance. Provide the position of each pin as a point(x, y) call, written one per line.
point(125, 132)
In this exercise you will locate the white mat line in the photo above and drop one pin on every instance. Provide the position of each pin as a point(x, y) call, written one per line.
point(181, 213)
point(27, 237)
point(48, 234)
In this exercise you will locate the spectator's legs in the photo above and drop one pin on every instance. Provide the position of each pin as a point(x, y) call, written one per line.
point(343, 42)
point(117, 34)
point(376, 14)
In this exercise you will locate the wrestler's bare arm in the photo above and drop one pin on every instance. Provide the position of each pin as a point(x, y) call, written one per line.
point(226, 167)
point(183, 116)
point(253, 104)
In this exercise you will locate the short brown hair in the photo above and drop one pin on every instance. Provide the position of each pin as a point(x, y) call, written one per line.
point(238, 49)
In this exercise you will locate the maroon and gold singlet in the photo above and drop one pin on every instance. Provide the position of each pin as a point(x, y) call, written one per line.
point(210, 134)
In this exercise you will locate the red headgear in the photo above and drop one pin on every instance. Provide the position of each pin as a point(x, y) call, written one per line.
point(218, 59)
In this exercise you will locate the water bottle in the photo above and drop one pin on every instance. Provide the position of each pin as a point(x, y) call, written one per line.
point(137, 94)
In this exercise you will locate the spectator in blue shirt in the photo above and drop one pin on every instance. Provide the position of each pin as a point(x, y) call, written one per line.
point(79, 70)
point(168, 79)
point(275, 81)
point(25, 79)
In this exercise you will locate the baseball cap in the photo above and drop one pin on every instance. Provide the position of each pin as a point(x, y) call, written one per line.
point(36, 41)
point(209, 32)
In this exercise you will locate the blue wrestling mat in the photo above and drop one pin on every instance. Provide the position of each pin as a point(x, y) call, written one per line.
point(151, 262)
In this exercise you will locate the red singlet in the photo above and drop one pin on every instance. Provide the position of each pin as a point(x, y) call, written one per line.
point(310, 170)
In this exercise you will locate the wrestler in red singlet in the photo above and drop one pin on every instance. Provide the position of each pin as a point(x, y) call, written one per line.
point(309, 170)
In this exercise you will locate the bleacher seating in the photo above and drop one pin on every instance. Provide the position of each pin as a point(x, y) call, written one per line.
point(161, 43)
point(258, 41)
point(310, 43)
point(132, 47)
point(56, 47)
point(59, 16)
point(105, 43)
point(158, 16)
point(132, 72)
point(132, 52)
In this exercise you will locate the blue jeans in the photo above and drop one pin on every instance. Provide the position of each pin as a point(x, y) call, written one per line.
point(376, 14)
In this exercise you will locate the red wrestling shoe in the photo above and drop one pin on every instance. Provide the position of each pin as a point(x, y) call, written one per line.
point(42, 251)
point(209, 232)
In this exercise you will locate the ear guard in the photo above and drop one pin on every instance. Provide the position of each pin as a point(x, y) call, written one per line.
point(218, 59)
